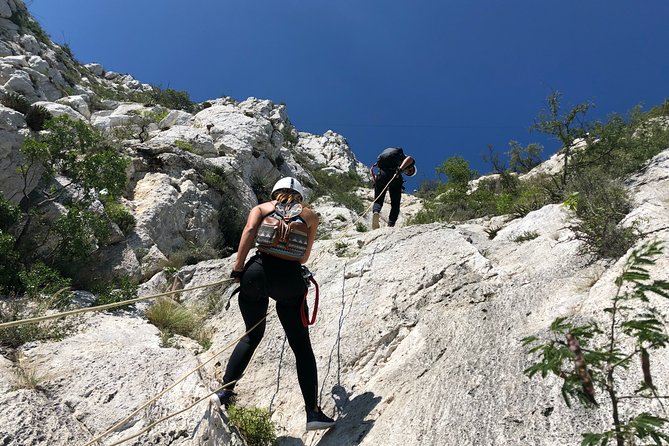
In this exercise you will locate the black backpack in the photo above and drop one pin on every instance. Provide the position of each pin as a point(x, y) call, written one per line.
point(390, 158)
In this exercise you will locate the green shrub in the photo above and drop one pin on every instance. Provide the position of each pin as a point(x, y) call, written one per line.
point(118, 290)
point(36, 117)
point(341, 188)
point(40, 280)
point(191, 254)
point(184, 145)
point(9, 261)
point(254, 424)
point(601, 204)
point(526, 236)
point(341, 249)
point(361, 227)
point(523, 159)
point(9, 213)
point(16, 102)
point(78, 232)
point(173, 318)
point(22, 18)
point(120, 215)
point(261, 189)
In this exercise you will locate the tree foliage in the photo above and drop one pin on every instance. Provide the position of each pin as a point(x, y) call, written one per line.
point(589, 359)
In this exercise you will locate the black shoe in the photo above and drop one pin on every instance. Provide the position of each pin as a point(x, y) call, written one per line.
point(223, 397)
point(316, 419)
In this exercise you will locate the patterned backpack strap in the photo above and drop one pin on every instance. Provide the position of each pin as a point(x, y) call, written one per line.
point(288, 211)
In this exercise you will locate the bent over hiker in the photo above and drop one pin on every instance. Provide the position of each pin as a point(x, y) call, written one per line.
point(392, 163)
point(284, 232)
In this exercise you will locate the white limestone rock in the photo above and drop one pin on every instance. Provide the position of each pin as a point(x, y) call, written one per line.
point(12, 133)
point(122, 357)
point(30, 44)
point(95, 68)
point(175, 117)
point(123, 114)
point(20, 82)
point(171, 212)
point(330, 151)
point(5, 9)
point(187, 138)
point(79, 103)
point(58, 109)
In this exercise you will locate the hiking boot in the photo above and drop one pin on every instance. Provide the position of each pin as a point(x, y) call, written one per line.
point(223, 397)
point(375, 220)
point(316, 419)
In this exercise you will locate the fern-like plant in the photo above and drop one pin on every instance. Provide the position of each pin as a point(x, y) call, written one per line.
point(16, 102)
point(590, 359)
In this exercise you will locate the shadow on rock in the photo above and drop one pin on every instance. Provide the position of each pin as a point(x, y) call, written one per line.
point(351, 425)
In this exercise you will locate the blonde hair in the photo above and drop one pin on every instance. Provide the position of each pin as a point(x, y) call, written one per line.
point(287, 196)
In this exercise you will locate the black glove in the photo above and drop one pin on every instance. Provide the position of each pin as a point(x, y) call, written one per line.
point(236, 274)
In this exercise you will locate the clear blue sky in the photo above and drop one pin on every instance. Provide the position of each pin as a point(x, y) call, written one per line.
point(437, 77)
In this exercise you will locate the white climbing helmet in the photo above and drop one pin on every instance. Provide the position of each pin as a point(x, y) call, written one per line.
point(289, 183)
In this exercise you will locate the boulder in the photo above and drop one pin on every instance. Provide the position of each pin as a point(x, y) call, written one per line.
point(79, 103)
point(175, 117)
point(58, 109)
point(12, 134)
point(187, 138)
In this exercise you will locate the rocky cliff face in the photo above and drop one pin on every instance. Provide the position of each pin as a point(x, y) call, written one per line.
point(417, 339)
point(246, 146)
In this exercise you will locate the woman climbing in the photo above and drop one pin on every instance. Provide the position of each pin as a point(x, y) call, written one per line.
point(283, 230)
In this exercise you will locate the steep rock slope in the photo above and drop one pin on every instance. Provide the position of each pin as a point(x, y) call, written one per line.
point(417, 339)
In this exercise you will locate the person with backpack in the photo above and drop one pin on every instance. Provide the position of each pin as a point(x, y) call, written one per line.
point(392, 163)
point(283, 231)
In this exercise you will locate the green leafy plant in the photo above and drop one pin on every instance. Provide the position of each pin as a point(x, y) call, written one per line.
point(523, 159)
point(120, 215)
point(37, 116)
point(341, 249)
point(21, 17)
point(191, 254)
point(526, 236)
point(172, 317)
point(40, 280)
point(261, 188)
point(361, 227)
point(601, 204)
point(589, 359)
point(184, 145)
point(341, 188)
point(16, 102)
point(492, 231)
point(566, 128)
point(254, 424)
point(118, 290)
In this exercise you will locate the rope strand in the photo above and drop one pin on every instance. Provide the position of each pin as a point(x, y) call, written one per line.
point(106, 306)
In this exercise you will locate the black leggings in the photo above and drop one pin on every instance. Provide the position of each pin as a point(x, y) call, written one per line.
point(266, 276)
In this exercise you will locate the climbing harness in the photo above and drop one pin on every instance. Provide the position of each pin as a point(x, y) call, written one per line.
point(308, 279)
